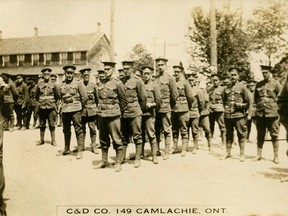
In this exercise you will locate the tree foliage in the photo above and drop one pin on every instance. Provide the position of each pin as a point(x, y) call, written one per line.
point(232, 43)
point(267, 28)
point(141, 56)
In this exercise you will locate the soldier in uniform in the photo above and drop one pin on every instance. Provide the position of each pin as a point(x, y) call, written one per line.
point(10, 95)
point(132, 116)
point(265, 97)
point(33, 105)
point(21, 102)
point(53, 78)
point(112, 103)
point(48, 94)
point(90, 110)
point(251, 86)
point(121, 74)
point(180, 112)
point(152, 106)
point(237, 99)
point(3, 85)
point(73, 98)
point(169, 95)
point(216, 107)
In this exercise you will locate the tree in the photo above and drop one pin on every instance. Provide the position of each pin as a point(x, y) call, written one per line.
point(232, 43)
point(141, 56)
point(267, 28)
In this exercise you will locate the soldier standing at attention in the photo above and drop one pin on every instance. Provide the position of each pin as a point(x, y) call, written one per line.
point(33, 105)
point(266, 92)
point(216, 107)
point(48, 94)
point(251, 86)
point(90, 110)
point(180, 113)
point(74, 98)
point(21, 102)
point(132, 116)
point(237, 99)
point(10, 95)
point(169, 95)
point(152, 106)
point(112, 103)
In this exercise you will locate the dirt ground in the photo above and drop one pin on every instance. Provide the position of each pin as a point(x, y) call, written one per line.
point(41, 183)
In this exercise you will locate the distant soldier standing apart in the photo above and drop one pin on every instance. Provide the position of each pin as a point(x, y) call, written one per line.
point(251, 86)
point(266, 92)
point(148, 117)
point(90, 110)
point(74, 98)
point(33, 106)
point(132, 116)
point(169, 95)
point(21, 102)
point(112, 103)
point(180, 112)
point(237, 100)
point(216, 107)
point(48, 94)
point(10, 95)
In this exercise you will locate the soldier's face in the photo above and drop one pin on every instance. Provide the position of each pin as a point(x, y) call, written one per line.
point(138, 74)
point(177, 72)
point(161, 66)
point(5, 78)
point(234, 76)
point(215, 81)
point(127, 71)
point(108, 71)
point(53, 79)
point(121, 74)
point(46, 76)
point(69, 75)
point(19, 80)
point(147, 74)
point(266, 75)
point(251, 86)
point(86, 77)
point(101, 77)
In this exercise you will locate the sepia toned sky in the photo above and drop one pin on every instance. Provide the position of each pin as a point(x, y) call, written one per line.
point(136, 21)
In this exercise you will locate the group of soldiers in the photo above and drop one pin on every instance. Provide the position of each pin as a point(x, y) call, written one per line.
point(142, 106)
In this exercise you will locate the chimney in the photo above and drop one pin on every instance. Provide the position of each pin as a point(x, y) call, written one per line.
point(35, 32)
point(98, 26)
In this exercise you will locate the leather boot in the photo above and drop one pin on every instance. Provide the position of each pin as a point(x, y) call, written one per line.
point(228, 151)
point(167, 147)
point(259, 155)
point(137, 156)
point(175, 146)
point(275, 148)
point(242, 147)
point(223, 138)
point(124, 149)
point(80, 143)
point(67, 138)
point(94, 148)
point(41, 142)
point(104, 162)
point(118, 167)
point(184, 145)
point(154, 151)
point(53, 140)
point(209, 145)
point(195, 145)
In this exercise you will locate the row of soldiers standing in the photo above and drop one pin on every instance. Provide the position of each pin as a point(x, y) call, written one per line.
point(145, 108)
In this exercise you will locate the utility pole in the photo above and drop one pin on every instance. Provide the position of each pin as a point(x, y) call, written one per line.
point(213, 37)
point(112, 31)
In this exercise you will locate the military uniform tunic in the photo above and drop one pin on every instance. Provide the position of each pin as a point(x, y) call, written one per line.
point(265, 96)
point(21, 104)
point(48, 94)
point(73, 99)
point(112, 103)
point(33, 105)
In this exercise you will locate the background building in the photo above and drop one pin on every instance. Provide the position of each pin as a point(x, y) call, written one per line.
point(28, 55)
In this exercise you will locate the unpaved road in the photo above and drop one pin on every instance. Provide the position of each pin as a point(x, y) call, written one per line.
point(39, 183)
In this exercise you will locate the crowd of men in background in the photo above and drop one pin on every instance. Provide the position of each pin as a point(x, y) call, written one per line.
point(142, 106)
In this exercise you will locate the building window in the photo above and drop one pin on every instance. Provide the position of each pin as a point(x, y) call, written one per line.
point(77, 57)
point(13, 60)
point(48, 58)
point(55, 57)
point(35, 59)
point(27, 59)
point(70, 56)
point(1, 61)
point(41, 59)
point(83, 56)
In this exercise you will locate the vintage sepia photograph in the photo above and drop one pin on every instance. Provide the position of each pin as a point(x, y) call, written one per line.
point(143, 107)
